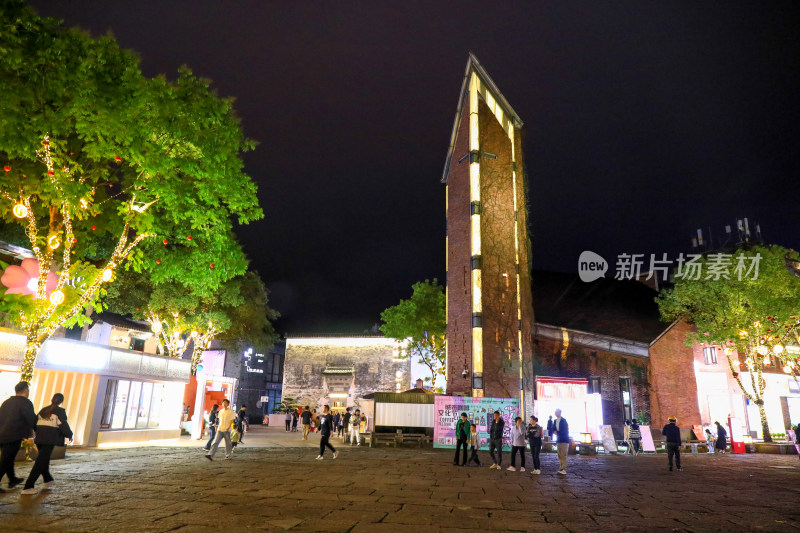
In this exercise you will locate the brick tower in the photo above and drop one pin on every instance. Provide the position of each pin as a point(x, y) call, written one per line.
point(489, 310)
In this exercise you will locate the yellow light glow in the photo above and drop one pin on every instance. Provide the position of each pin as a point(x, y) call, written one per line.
point(763, 350)
point(106, 275)
point(743, 333)
point(477, 350)
point(787, 369)
point(53, 242)
point(194, 334)
point(474, 182)
point(757, 324)
point(477, 305)
point(337, 395)
point(777, 349)
point(474, 133)
point(475, 235)
point(20, 211)
point(56, 297)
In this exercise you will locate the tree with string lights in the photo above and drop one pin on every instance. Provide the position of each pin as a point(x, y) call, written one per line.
point(103, 167)
point(754, 322)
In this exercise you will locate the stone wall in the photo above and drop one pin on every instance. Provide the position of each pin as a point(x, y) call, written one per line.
point(315, 368)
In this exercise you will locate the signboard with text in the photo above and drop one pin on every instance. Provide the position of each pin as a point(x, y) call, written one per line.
point(448, 409)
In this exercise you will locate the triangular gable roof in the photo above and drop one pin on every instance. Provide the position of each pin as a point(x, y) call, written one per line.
point(473, 65)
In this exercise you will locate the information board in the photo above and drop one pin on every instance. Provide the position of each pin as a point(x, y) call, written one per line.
point(448, 409)
point(607, 438)
point(647, 439)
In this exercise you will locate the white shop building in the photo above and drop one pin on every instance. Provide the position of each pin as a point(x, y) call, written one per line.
point(112, 395)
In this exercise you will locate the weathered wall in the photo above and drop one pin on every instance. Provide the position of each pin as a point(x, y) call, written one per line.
point(581, 362)
point(673, 386)
point(372, 360)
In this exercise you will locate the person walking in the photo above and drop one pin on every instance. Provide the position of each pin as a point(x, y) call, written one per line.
point(241, 422)
point(709, 442)
point(534, 434)
point(355, 428)
point(51, 430)
point(496, 441)
point(626, 432)
point(474, 444)
point(722, 439)
point(550, 430)
point(337, 421)
point(325, 429)
point(673, 438)
point(226, 420)
point(288, 420)
point(517, 445)
point(462, 439)
point(295, 418)
point(305, 417)
point(634, 437)
point(17, 420)
point(561, 428)
point(345, 424)
point(212, 426)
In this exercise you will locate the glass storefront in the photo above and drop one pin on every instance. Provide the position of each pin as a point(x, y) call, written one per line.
point(132, 404)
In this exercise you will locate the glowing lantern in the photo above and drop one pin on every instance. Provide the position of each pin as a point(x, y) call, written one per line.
point(20, 211)
point(53, 242)
point(194, 334)
point(777, 349)
point(787, 369)
point(56, 297)
point(106, 275)
point(762, 350)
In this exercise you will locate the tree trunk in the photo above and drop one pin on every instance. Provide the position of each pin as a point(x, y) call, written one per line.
point(764, 424)
point(32, 346)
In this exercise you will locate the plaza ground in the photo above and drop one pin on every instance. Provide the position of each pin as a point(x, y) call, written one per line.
point(273, 483)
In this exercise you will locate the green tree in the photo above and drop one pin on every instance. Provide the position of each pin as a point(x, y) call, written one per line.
point(104, 167)
point(755, 320)
point(419, 324)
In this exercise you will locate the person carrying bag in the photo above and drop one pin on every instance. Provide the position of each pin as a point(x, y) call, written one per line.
point(51, 431)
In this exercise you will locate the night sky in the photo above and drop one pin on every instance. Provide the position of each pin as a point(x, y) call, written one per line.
point(643, 122)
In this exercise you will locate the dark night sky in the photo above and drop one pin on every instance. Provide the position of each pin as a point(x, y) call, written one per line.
point(644, 121)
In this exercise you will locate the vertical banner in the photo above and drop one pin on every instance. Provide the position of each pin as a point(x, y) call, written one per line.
point(448, 409)
point(647, 439)
point(736, 436)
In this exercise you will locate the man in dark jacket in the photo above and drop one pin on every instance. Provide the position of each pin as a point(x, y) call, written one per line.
point(496, 441)
point(325, 430)
point(462, 438)
point(550, 430)
point(305, 419)
point(345, 423)
point(241, 422)
point(673, 438)
point(17, 420)
point(561, 427)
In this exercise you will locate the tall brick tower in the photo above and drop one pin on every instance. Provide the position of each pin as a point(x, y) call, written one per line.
point(489, 310)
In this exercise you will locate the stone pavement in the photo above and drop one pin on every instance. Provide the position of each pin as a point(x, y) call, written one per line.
point(270, 487)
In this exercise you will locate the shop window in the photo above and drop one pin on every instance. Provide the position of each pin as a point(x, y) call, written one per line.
point(132, 405)
point(625, 395)
point(710, 355)
point(137, 345)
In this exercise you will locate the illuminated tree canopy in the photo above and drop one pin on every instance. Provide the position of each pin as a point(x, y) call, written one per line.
point(103, 167)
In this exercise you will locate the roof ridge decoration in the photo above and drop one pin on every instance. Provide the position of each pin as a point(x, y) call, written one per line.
point(486, 88)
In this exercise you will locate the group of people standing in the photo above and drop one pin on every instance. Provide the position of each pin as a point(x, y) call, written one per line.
point(533, 434)
point(18, 422)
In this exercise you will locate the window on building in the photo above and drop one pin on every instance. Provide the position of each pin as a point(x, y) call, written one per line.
point(594, 385)
point(137, 344)
point(710, 355)
point(625, 396)
point(132, 404)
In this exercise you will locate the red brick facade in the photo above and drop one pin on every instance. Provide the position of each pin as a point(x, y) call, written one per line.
point(583, 362)
point(672, 377)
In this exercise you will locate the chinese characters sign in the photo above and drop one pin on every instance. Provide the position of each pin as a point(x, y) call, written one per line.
point(448, 409)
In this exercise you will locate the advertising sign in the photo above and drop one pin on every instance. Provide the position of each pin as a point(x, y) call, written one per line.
point(607, 438)
point(448, 409)
point(736, 436)
point(647, 439)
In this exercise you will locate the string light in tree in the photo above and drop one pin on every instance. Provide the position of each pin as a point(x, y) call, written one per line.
point(53, 242)
point(20, 211)
point(57, 297)
point(106, 275)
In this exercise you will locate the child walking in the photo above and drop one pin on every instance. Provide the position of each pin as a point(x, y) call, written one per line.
point(517, 445)
point(474, 444)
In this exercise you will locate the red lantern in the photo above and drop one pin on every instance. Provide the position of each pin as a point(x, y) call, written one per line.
point(74, 239)
point(45, 143)
point(158, 261)
point(211, 265)
point(7, 168)
point(189, 237)
point(165, 242)
point(94, 228)
point(50, 173)
point(118, 158)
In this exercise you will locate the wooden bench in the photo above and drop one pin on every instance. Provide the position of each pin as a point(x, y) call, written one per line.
point(383, 438)
point(419, 438)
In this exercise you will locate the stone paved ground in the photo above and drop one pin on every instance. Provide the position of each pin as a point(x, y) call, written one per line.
point(274, 488)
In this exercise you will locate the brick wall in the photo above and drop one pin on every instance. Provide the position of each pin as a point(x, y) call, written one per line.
point(581, 362)
point(673, 386)
point(459, 281)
